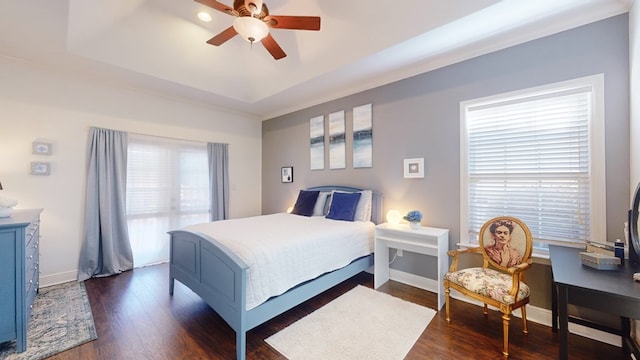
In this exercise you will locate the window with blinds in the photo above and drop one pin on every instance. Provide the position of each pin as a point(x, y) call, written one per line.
point(167, 189)
point(536, 155)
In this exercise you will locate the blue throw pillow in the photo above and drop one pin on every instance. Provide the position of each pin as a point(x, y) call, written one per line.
point(343, 206)
point(305, 203)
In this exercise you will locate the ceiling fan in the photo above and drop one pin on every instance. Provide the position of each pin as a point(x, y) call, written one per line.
point(253, 22)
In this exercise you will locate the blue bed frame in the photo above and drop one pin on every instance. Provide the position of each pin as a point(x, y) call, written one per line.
point(219, 277)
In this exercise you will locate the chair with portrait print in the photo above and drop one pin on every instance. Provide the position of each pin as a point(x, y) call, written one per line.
point(505, 245)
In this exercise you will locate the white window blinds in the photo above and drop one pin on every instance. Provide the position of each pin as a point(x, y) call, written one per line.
point(529, 156)
point(167, 189)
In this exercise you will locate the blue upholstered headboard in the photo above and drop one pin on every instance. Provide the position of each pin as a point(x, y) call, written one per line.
point(376, 201)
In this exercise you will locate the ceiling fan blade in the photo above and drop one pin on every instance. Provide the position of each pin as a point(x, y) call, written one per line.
point(222, 37)
point(218, 6)
point(293, 22)
point(273, 48)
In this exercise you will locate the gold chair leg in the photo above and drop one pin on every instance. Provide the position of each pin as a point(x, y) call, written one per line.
point(505, 330)
point(486, 309)
point(524, 319)
point(446, 303)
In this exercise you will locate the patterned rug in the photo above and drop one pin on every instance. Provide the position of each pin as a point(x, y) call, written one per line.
point(61, 319)
point(361, 324)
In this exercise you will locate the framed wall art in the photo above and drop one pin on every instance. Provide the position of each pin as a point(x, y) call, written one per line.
point(316, 142)
point(337, 145)
point(414, 168)
point(362, 137)
point(287, 174)
point(41, 148)
point(40, 168)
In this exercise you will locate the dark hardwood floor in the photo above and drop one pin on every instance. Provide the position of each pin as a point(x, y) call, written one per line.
point(137, 319)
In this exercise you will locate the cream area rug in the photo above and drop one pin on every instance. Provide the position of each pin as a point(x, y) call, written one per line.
point(361, 324)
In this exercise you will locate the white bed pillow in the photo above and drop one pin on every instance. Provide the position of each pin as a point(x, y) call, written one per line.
point(321, 207)
point(363, 209)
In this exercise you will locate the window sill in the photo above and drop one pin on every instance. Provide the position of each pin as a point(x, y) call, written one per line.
point(539, 257)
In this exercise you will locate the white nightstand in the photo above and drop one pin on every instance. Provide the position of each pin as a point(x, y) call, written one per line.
point(426, 240)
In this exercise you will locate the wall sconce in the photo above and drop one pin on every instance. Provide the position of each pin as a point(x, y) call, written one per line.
point(393, 217)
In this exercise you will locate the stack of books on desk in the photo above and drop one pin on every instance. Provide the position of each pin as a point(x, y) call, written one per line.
point(600, 248)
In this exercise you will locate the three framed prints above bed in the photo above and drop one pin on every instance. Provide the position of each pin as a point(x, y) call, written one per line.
point(362, 138)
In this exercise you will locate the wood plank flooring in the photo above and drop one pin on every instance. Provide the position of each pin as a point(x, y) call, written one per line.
point(137, 319)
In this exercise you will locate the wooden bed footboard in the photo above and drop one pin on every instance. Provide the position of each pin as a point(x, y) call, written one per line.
point(219, 277)
point(213, 272)
point(209, 269)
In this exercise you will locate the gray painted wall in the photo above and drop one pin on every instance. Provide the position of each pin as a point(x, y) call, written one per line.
point(419, 117)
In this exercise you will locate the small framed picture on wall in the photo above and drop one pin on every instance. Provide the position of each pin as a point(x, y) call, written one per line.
point(41, 148)
point(414, 168)
point(287, 174)
point(40, 168)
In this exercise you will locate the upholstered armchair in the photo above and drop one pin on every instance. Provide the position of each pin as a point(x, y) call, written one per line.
point(505, 246)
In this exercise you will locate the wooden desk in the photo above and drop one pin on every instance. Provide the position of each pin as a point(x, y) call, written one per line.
point(610, 291)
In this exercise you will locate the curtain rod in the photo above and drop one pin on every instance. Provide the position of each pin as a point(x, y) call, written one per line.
point(158, 136)
point(163, 137)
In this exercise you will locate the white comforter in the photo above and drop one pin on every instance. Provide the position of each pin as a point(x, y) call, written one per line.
point(284, 250)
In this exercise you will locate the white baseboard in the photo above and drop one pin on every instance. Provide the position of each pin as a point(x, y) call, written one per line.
point(536, 314)
point(59, 278)
point(414, 280)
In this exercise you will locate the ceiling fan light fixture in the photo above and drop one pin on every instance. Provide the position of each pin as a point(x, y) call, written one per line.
point(250, 28)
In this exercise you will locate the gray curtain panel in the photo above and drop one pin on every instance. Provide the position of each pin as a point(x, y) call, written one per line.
point(218, 155)
point(106, 249)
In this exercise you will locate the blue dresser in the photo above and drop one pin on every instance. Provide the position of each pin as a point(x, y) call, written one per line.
point(19, 271)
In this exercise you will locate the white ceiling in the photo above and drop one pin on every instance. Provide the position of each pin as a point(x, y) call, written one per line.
point(160, 45)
